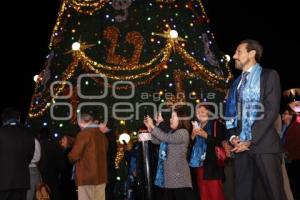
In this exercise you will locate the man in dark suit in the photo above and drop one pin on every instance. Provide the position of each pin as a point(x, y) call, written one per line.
point(52, 163)
point(16, 152)
point(252, 108)
point(107, 129)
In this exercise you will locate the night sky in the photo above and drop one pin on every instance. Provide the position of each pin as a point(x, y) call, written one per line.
point(25, 39)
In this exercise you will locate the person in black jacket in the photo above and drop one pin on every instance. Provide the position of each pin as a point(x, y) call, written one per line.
point(68, 187)
point(52, 163)
point(16, 152)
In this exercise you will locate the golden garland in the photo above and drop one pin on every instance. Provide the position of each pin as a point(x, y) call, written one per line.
point(119, 156)
point(112, 33)
point(162, 57)
point(38, 110)
point(54, 38)
point(125, 77)
point(184, 75)
point(190, 60)
point(202, 7)
point(126, 87)
point(87, 7)
point(164, 53)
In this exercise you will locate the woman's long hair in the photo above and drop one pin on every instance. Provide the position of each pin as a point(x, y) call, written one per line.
point(184, 122)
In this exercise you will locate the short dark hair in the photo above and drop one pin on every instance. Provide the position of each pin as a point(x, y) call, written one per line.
point(290, 111)
point(183, 123)
point(256, 46)
point(10, 113)
point(110, 122)
point(86, 117)
point(44, 133)
point(210, 108)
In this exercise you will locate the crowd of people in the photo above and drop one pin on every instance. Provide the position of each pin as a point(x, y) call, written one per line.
point(240, 157)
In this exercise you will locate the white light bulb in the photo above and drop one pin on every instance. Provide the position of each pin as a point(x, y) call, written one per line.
point(75, 46)
point(173, 34)
point(227, 57)
point(124, 138)
point(35, 78)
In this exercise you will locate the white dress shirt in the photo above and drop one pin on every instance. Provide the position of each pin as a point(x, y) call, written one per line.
point(37, 154)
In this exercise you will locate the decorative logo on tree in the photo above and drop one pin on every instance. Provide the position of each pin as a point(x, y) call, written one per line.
point(121, 5)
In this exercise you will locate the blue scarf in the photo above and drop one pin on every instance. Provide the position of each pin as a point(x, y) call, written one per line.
point(251, 98)
point(283, 133)
point(160, 178)
point(133, 160)
point(199, 149)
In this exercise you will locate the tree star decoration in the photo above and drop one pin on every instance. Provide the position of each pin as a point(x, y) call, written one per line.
point(78, 46)
point(172, 36)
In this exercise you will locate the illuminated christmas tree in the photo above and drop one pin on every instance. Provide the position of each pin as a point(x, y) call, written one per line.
point(124, 54)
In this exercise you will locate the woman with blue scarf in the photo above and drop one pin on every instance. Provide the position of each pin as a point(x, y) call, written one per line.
point(173, 173)
point(203, 156)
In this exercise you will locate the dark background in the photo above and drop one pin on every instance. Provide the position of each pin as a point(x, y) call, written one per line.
point(27, 27)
